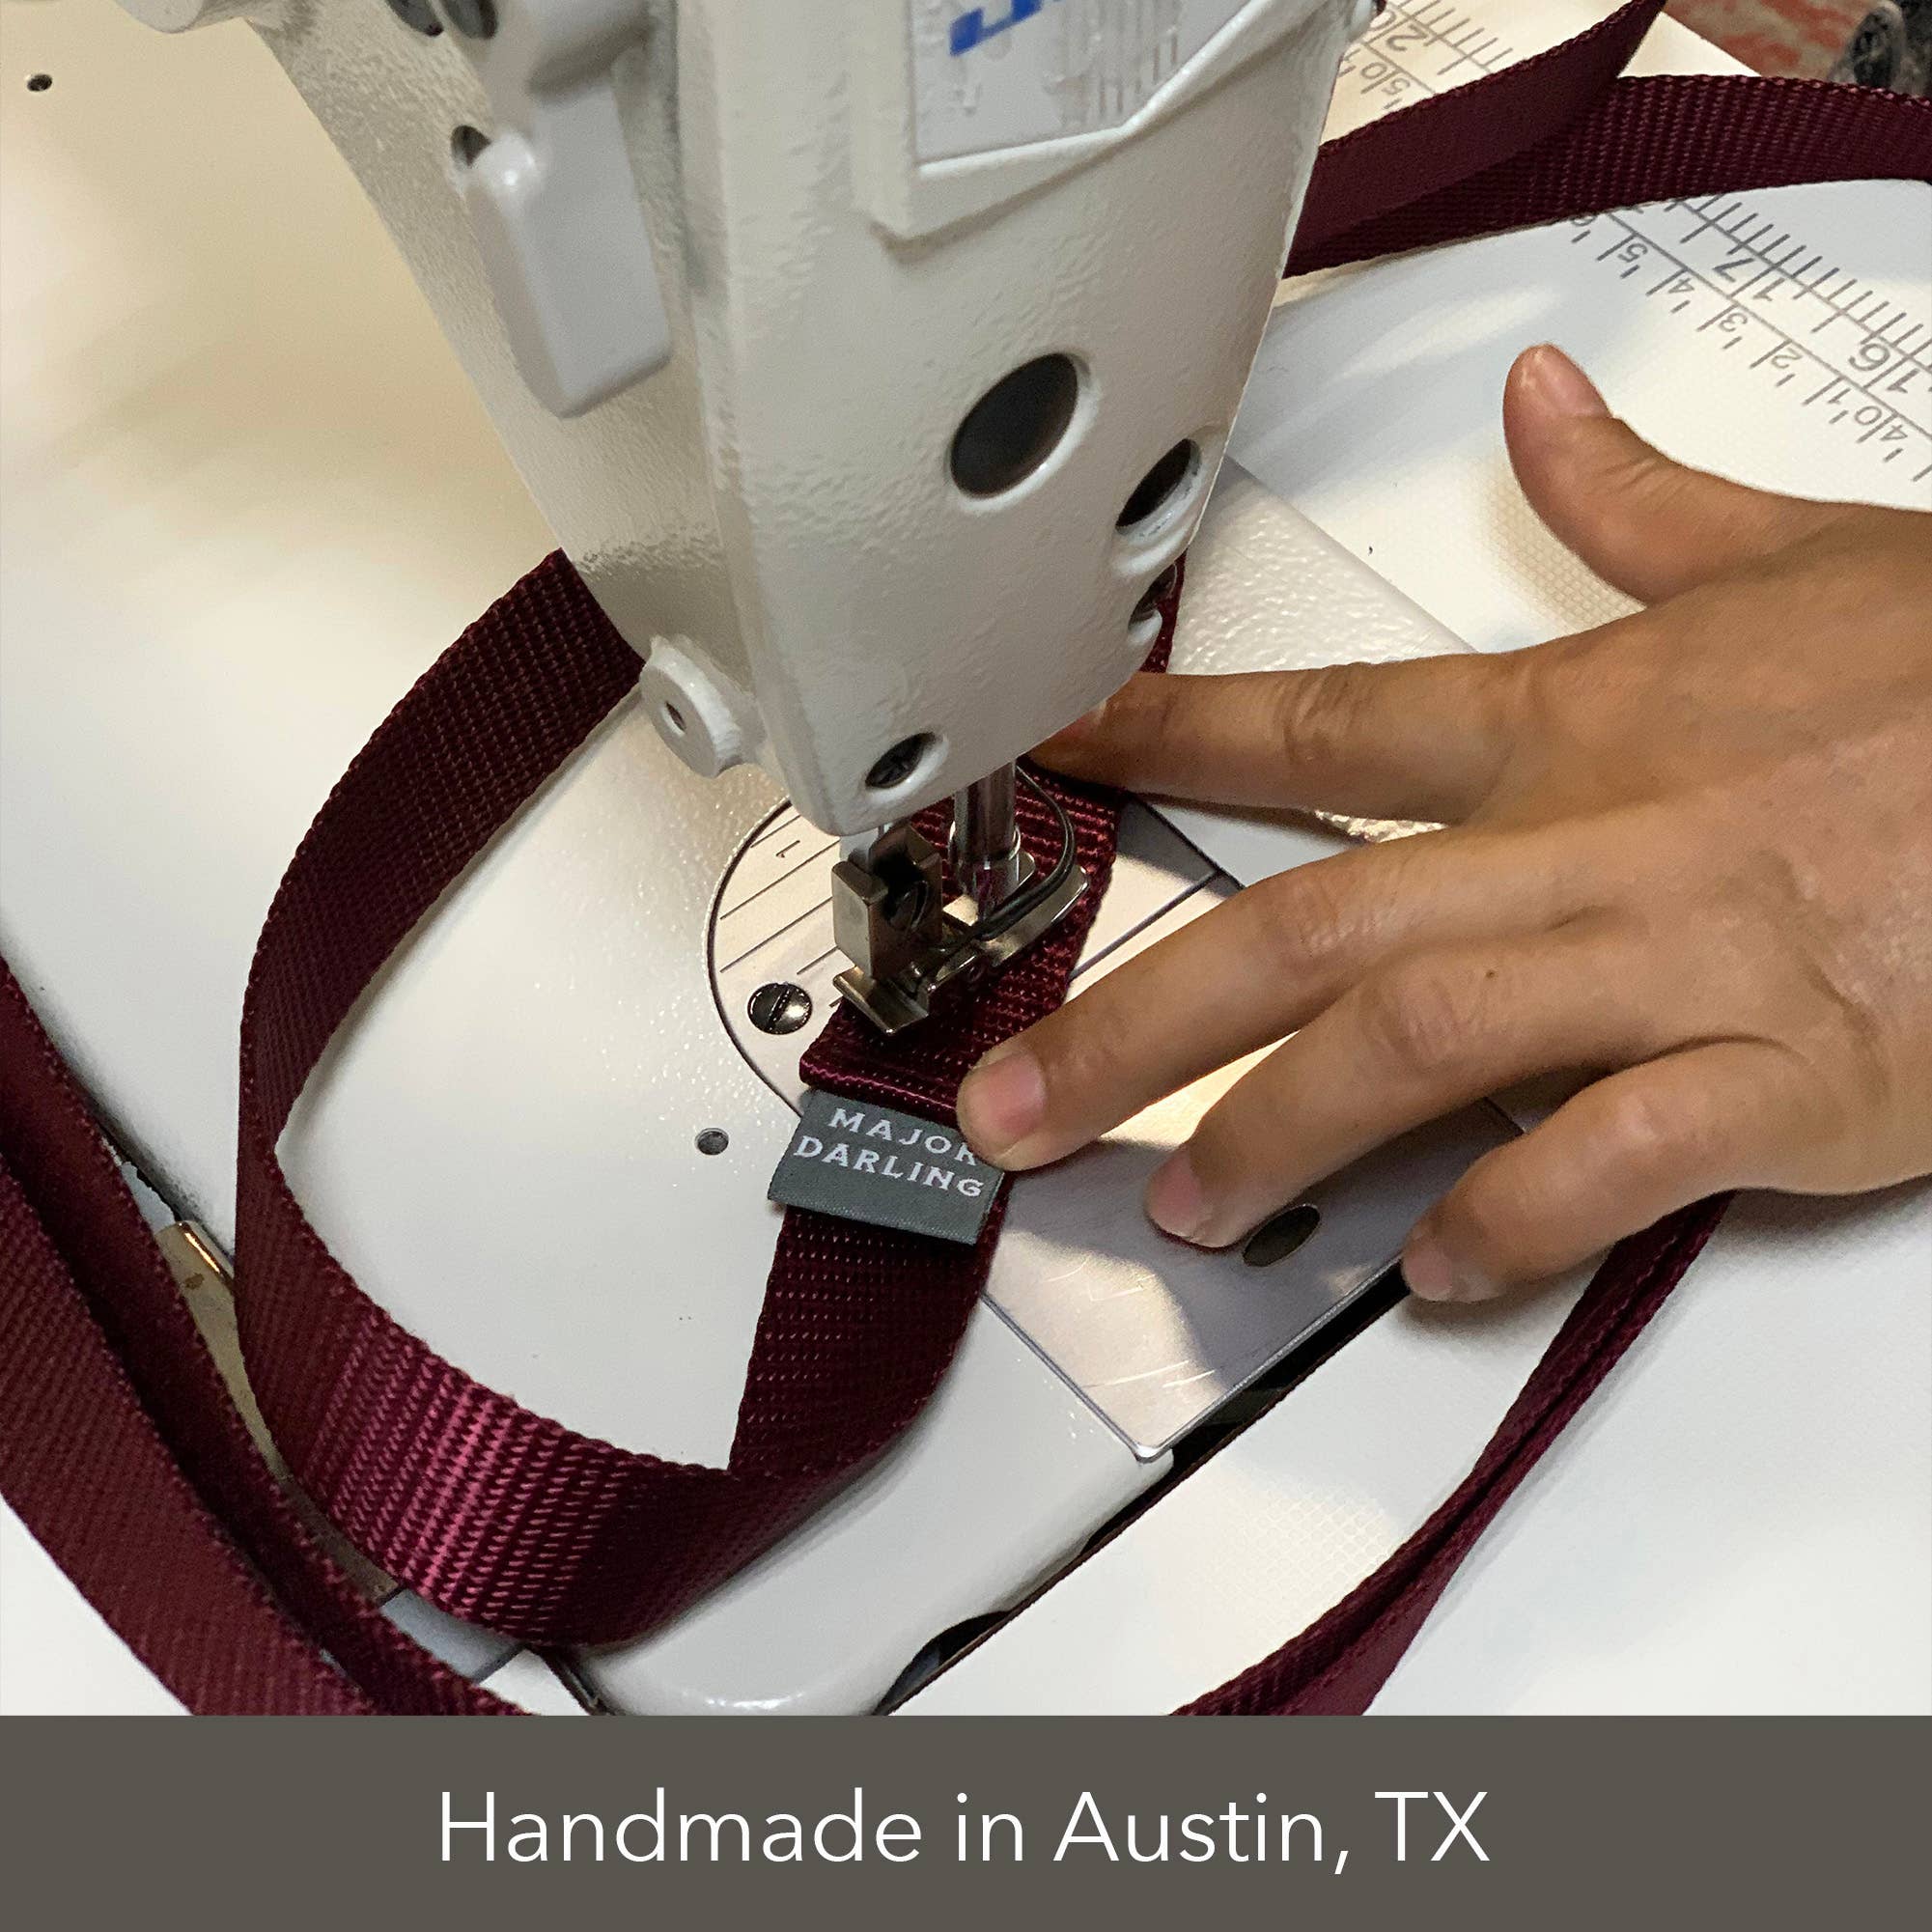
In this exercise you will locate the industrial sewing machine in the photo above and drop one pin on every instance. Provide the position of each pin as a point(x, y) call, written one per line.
point(874, 362)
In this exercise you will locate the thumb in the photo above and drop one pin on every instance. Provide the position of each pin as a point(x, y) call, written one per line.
point(1649, 525)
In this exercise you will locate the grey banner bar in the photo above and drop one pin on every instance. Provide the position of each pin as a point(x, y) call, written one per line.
point(1567, 1822)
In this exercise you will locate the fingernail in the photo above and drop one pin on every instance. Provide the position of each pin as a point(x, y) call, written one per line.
point(1002, 1102)
point(1561, 387)
point(1431, 1277)
point(1176, 1202)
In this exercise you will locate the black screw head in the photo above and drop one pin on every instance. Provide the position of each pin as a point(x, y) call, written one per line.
point(417, 16)
point(473, 19)
point(1151, 598)
point(893, 768)
point(779, 1007)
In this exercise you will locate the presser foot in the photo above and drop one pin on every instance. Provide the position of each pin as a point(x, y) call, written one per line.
point(890, 918)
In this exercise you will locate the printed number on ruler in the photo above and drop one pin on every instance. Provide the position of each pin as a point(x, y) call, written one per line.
point(1799, 325)
point(1422, 47)
point(1809, 332)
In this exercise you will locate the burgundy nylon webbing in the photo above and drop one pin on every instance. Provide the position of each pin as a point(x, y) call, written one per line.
point(486, 1509)
point(504, 1516)
point(1336, 1666)
point(121, 1452)
point(1661, 137)
point(1560, 135)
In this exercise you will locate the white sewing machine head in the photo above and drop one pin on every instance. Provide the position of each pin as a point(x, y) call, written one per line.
point(871, 359)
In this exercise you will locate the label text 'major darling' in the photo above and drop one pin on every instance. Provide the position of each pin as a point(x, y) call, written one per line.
point(894, 1159)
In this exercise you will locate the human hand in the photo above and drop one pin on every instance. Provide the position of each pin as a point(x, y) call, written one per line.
point(1688, 853)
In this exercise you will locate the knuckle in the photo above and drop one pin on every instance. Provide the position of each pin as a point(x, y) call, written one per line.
point(1226, 1148)
point(1589, 692)
point(1084, 1054)
point(1424, 1017)
point(1556, 680)
point(1120, 737)
point(1142, 715)
point(1641, 1131)
point(1310, 916)
point(1648, 483)
point(1115, 735)
point(1244, 1149)
point(1319, 715)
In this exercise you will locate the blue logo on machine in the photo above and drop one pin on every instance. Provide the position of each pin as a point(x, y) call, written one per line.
point(972, 29)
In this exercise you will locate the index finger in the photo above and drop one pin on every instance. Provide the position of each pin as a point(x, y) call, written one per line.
point(1425, 739)
point(1253, 969)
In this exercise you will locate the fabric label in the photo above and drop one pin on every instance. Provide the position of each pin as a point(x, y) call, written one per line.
point(872, 1163)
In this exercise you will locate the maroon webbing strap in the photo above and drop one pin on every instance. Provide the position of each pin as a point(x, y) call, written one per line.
point(1561, 135)
point(1428, 145)
point(488, 1510)
point(1338, 1664)
point(504, 1516)
point(125, 1457)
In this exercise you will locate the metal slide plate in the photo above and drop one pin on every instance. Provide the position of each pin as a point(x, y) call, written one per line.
point(1156, 1342)
point(1155, 1334)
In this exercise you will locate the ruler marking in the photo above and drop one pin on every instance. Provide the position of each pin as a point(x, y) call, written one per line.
point(1767, 270)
